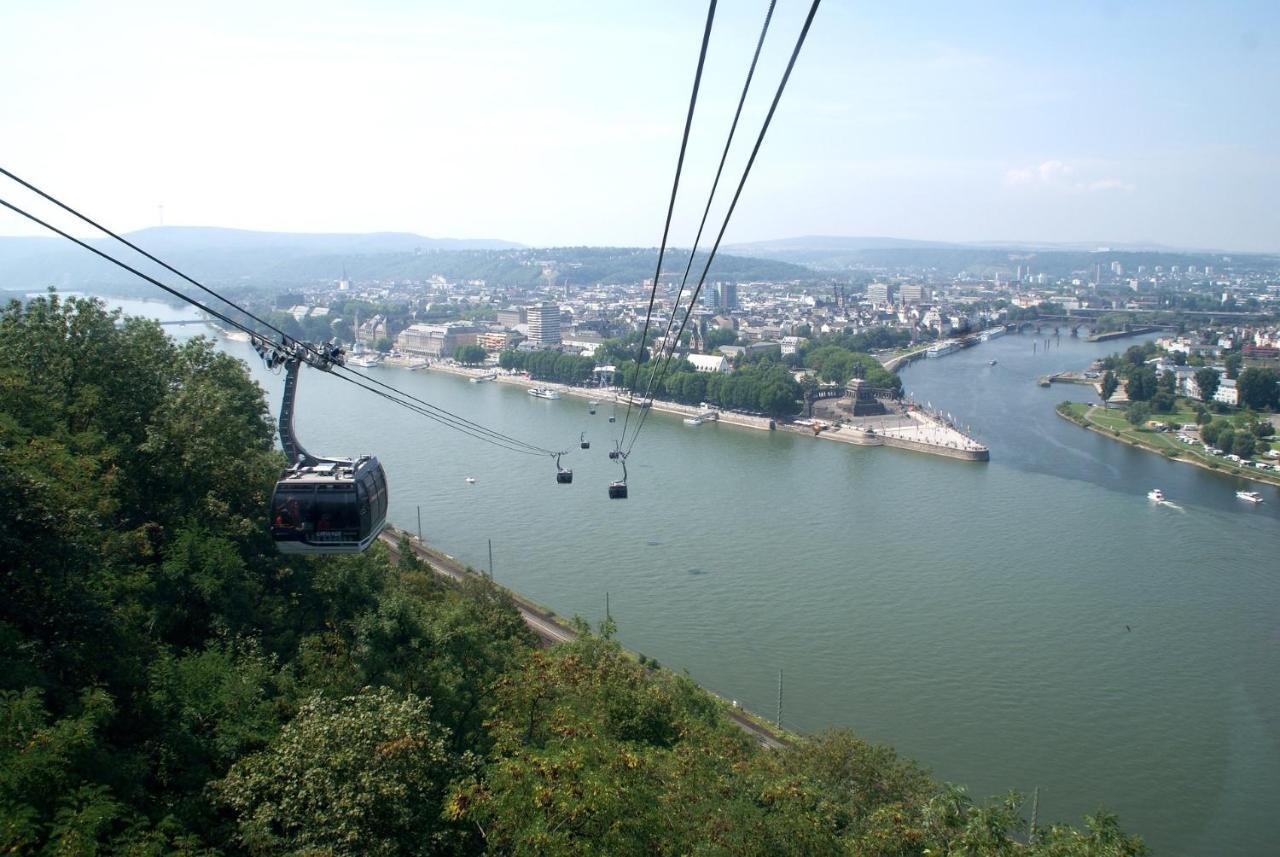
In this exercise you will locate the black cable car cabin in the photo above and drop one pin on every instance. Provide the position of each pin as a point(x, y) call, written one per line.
point(564, 476)
point(618, 489)
point(323, 505)
point(329, 507)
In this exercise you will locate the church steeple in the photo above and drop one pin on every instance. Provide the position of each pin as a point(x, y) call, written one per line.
point(697, 342)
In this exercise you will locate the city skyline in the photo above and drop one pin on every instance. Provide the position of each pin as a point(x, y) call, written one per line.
point(1098, 124)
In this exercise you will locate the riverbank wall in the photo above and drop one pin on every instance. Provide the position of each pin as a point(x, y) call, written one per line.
point(604, 395)
point(893, 363)
point(949, 442)
point(981, 454)
point(1069, 378)
point(844, 434)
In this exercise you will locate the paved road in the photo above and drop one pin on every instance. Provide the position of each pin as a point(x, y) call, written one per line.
point(551, 632)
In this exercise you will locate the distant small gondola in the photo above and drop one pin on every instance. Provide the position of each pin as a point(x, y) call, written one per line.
point(583, 442)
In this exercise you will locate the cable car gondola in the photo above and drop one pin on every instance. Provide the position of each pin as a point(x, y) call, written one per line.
point(583, 442)
point(564, 476)
point(618, 489)
point(322, 505)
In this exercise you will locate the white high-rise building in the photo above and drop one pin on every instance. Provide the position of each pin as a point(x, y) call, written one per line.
point(880, 294)
point(544, 325)
point(913, 293)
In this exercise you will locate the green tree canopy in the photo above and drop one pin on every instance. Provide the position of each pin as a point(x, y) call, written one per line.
point(470, 354)
point(365, 774)
point(1259, 388)
point(1209, 431)
point(1244, 444)
point(1138, 413)
point(1109, 385)
point(1141, 385)
point(720, 336)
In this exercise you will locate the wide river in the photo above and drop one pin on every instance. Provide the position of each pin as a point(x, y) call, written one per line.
point(1030, 622)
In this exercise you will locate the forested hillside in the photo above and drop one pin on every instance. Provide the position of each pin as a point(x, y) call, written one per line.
point(274, 261)
point(170, 684)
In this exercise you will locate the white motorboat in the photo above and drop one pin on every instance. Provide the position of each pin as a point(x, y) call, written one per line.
point(1250, 496)
point(1156, 494)
point(544, 393)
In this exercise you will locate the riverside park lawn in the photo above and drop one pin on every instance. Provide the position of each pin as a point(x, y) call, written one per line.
point(1112, 422)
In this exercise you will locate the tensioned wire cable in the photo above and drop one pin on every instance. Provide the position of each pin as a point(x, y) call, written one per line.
point(431, 412)
point(666, 229)
point(259, 337)
point(675, 308)
point(448, 415)
point(777, 96)
point(284, 336)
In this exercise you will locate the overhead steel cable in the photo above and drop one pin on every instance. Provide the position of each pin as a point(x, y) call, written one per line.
point(427, 410)
point(284, 336)
point(755, 150)
point(246, 312)
point(134, 247)
point(436, 410)
point(34, 219)
point(461, 429)
point(724, 156)
point(675, 187)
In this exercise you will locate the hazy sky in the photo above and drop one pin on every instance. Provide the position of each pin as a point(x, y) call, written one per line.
point(556, 123)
